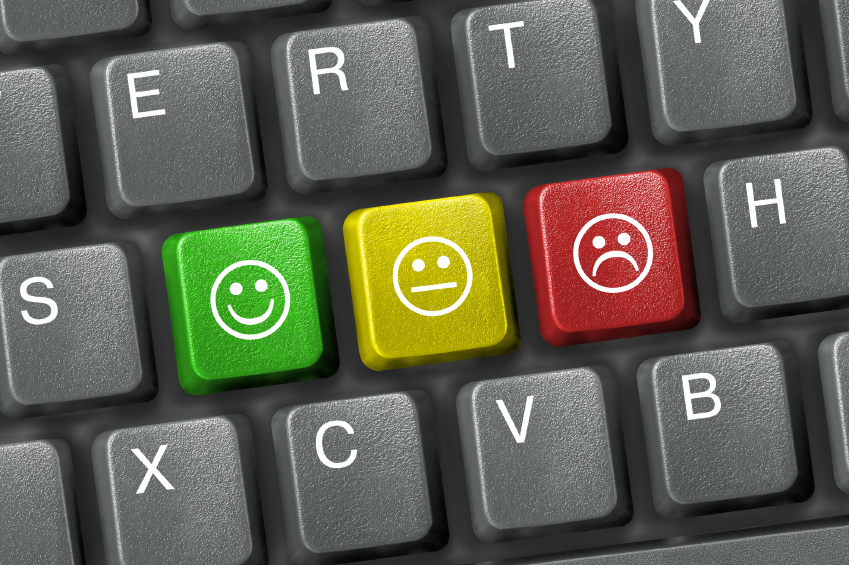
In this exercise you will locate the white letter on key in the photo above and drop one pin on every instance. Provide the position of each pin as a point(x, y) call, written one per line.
point(316, 72)
point(697, 32)
point(319, 444)
point(689, 396)
point(508, 40)
point(134, 95)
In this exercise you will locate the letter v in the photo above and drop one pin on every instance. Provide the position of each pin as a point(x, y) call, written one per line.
point(520, 436)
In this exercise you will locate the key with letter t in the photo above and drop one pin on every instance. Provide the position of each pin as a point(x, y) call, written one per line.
point(725, 430)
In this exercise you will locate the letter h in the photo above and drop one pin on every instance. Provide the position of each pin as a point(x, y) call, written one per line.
point(753, 204)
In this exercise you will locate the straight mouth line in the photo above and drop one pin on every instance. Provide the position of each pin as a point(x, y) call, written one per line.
point(433, 287)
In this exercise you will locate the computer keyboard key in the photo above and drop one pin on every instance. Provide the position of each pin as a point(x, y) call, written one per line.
point(75, 332)
point(725, 430)
point(718, 69)
point(181, 492)
point(544, 454)
point(360, 478)
point(835, 24)
point(192, 14)
point(539, 81)
point(780, 239)
point(40, 181)
point(431, 281)
point(250, 305)
point(358, 105)
point(39, 24)
point(611, 257)
point(834, 370)
point(378, 2)
point(177, 129)
point(38, 515)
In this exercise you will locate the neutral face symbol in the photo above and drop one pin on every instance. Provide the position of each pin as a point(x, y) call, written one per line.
point(260, 294)
point(623, 242)
point(432, 276)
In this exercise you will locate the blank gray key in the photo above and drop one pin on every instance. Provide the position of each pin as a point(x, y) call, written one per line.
point(779, 231)
point(38, 24)
point(40, 181)
point(181, 493)
point(835, 24)
point(544, 454)
point(38, 515)
point(360, 478)
point(725, 430)
point(717, 69)
point(177, 129)
point(192, 14)
point(358, 105)
point(75, 331)
point(834, 371)
point(539, 81)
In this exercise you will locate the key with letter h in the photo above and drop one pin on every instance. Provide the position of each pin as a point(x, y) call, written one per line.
point(725, 430)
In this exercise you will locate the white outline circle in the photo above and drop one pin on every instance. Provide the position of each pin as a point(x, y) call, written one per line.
point(618, 289)
point(230, 330)
point(453, 246)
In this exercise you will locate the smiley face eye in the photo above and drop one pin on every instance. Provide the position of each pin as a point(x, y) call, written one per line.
point(598, 242)
point(418, 265)
point(624, 239)
point(261, 285)
point(443, 262)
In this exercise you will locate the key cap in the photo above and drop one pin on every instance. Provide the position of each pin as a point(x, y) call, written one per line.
point(177, 129)
point(725, 430)
point(358, 105)
point(181, 492)
point(192, 14)
point(611, 257)
point(780, 239)
point(431, 281)
point(40, 181)
point(360, 478)
point(544, 454)
point(40, 24)
point(835, 26)
point(250, 305)
point(75, 331)
point(834, 370)
point(38, 516)
point(539, 81)
point(719, 69)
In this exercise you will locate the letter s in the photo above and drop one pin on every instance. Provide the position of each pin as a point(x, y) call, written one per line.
point(54, 309)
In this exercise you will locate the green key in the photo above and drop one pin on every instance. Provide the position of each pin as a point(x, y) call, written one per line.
point(250, 305)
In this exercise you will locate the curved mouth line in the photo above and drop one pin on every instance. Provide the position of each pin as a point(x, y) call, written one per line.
point(252, 321)
point(611, 255)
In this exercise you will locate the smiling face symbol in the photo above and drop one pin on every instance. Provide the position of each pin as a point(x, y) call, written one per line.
point(260, 295)
point(614, 248)
point(435, 274)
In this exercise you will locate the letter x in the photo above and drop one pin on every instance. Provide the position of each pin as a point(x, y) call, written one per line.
point(152, 471)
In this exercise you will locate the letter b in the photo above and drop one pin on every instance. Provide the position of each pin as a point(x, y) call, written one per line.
point(689, 396)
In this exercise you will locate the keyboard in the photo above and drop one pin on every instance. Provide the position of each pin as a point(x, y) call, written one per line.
point(424, 281)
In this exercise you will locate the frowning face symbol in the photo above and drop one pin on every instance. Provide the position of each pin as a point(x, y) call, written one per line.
point(613, 253)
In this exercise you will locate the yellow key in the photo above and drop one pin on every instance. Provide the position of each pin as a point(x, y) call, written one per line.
point(431, 281)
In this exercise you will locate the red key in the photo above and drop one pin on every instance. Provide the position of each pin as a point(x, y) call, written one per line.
point(611, 257)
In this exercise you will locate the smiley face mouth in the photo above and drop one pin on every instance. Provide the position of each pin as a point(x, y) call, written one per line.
point(252, 321)
point(612, 255)
point(429, 287)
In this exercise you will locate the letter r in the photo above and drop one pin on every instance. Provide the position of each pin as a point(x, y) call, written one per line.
point(316, 72)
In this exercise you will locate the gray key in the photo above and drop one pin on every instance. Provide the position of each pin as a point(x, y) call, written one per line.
point(192, 14)
point(182, 493)
point(779, 231)
point(40, 181)
point(360, 478)
point(378, 2)
point(177, 129)
point(834, 370)
point(725, 430)
point(835, 24)
point(38, 515)
point(358, 105)
point(717, 69)
point(75, 333)
point(539, 81)
point(544, 454)
point(38, 24)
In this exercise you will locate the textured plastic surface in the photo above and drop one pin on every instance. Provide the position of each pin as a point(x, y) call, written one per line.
point(834, 371)
point(192, 14)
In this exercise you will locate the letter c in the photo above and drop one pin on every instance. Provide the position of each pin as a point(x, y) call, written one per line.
point(319, 444)
point(54, 309)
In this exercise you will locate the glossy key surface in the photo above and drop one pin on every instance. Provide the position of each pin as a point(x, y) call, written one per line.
point(611, 257)
point(834, 371)
point(192, 14)
point(539, 81)
point(358, 105)
point(725, 430)
point(177, 129)
point(717, 69)
point(250, 305)
point(38, 515)
point(780, 238)
point(40, 181)
point(431, 281)
point(544, 454)
point(179, 493)
point(75, 330)
point(360, 478)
